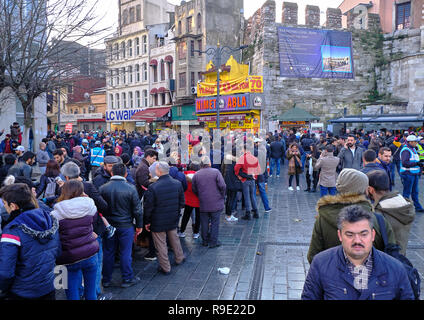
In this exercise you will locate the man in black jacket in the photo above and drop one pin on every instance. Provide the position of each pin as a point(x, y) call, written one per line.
point(277, 155)
point(163, 202)
point(124, 207)
point(104, 173)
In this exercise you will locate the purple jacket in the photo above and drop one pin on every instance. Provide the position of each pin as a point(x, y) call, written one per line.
point(209, 185)
point(76, 218)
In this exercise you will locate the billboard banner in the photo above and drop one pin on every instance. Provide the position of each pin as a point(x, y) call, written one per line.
point(252, 84)
point(314, 53)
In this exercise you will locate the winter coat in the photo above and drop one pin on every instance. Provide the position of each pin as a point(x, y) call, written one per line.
point(76, 229)
point(42, 158)
point(209, 185)
point(190, 198)
point(329, 278)
point(28, 250)
point(232, 182)
point(21, 169)
point(178, 175)
point(348, 160)
point(247, 167)
point(142, 177)
point(400, 213)
point(101, 177)
point(277, 150)
point(163, 201)
point(324, 234)
point(293, 169)
point(124, 203)
point(328, 165)
point(371, 167)
point(44, 181)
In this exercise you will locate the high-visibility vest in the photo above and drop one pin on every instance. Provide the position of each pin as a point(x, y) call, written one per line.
point(414, 158)
point(420, 152)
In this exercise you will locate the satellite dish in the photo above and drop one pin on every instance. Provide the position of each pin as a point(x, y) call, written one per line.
point(86, 95)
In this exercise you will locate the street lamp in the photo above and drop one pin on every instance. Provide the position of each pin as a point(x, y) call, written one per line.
point(217, 53)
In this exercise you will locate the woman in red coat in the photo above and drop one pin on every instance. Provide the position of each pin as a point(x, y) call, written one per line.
point(191, 202)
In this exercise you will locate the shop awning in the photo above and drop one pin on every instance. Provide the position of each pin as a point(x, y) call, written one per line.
point(150, 114)
point(380, 118)
point(223, 118)
point(154, 91)
point(162, 90)
point(91, 120)
point(153, 62)
point(169, 59)
point(296, 114)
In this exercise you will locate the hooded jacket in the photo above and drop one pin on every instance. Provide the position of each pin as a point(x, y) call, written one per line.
point(247, 166)
point(324, 234)
point(28, 250)
point(400, 213)
point(75, 218)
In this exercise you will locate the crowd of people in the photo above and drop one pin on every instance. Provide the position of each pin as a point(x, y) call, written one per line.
point(100, 195)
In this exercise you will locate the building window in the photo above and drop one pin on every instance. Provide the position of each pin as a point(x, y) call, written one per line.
point(162, 70)
point(180, 28)
point(137, 73)
point(156, 100)
point(163, 99)
point(145, 97)
point(155, 73)
point(199, 21)
point(130, 100)
point(70, 89)
point(138, 12)
point(110, 48)
point(125, 17)
point(137, 99)
point(144, 44)
point(170, 71)
point(182, 80)
point(116, 51)
point(123, 76)
point(144, 72)
point(117, 77)
point(192, 80)
point(110, 77)
point(182, 50)
point(123, 53)
point(124, 100)
point(117, 101)
point(132, 15)
point(199, 76)
point(189, 26)
point(403, 16)
point(192, 48)
point(130, 48)
point(130, 74)
point(137, 46)
point(199, 44)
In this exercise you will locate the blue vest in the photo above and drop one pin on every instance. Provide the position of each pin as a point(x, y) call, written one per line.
point(97, 157)
point(414, 158)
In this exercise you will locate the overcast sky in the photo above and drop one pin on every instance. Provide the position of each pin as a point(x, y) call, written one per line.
point(108, 10)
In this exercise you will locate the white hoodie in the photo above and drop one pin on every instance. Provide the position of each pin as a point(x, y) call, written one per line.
point(74, 208)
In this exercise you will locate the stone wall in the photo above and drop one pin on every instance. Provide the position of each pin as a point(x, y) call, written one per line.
point(325, 98)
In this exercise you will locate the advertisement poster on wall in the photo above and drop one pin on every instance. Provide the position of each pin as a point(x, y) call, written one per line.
point(314, 53)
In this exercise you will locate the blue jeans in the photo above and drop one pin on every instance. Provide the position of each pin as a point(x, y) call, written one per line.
point(272, 163)
point(249, 194)
point(327, 190)
point(88, 268)
point(123, 238)
point(99, 270)
point(410, 188)
point(264, 197)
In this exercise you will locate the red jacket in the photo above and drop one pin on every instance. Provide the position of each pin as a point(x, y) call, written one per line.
point(190, 198)
point(249, 164)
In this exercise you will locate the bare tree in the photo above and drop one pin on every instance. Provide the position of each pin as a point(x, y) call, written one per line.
point(33, 57)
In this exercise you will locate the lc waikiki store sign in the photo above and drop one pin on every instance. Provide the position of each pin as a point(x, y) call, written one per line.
point(121, 115)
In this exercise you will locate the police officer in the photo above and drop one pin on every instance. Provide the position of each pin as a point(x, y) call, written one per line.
point(410, 170)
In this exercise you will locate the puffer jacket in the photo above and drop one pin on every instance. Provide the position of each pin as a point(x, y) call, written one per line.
point(232, 182)
point(400, 213)
point(329, 279)
point(76, 229)
point(163, 201)
point(178, 175)
point(324, 234)
point(28, 250)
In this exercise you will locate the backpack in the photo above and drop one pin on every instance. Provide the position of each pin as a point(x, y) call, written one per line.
point(393, 250)
point(50, 190)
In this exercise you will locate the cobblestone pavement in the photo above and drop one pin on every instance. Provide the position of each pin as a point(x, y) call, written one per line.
point(266, 256)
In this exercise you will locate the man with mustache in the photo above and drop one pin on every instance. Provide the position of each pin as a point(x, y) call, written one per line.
point(355, 270)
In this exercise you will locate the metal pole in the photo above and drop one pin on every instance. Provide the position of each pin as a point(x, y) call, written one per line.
point(58, 112)
point(218, 61)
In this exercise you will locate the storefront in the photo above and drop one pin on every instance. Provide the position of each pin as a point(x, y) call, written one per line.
point(155, 119)
point(296, 118)
point(121, 120)
point(84, 122)
point(237, 112)
point(185, 115)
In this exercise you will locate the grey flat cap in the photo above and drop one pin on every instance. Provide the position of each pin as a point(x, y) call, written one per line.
point(111, 160)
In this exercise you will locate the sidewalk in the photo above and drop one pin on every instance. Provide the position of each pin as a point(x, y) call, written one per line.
point(266, 256)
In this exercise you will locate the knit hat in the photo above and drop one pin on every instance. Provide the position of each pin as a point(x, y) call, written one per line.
point(352, 181)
